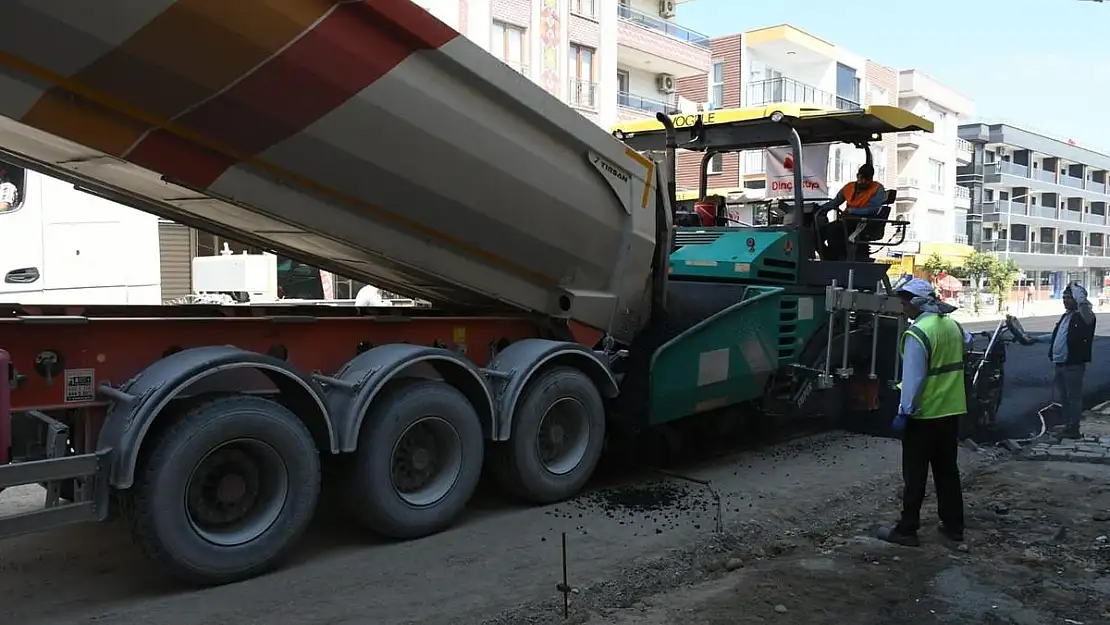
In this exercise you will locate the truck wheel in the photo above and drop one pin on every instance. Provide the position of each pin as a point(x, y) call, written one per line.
point(226, 490)
point(557, 438)
point(418, 461)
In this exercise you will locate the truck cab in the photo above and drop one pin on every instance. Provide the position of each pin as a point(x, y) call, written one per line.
point(60, 245)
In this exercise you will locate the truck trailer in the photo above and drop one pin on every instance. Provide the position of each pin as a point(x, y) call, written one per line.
point(570, 297)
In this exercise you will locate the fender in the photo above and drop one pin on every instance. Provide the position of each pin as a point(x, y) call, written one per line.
point(523, 359)
point(351, 391)
point(138, 403)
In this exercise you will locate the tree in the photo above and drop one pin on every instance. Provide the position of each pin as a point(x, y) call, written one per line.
point(977, 267)
point(935, 265)
point(1002, 275)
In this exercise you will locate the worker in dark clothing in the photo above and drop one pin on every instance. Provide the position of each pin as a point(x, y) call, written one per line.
point(933, 402)
point(863, 198)
point(1069, 353)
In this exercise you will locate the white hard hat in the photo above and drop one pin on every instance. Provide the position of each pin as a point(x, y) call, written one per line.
point(917, 287)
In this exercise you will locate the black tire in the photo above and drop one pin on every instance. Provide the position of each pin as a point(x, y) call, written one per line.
point(518, 466)
point(372, 496)
point(164, 522)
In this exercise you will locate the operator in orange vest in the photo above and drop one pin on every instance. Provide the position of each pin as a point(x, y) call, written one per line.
point(864, 198)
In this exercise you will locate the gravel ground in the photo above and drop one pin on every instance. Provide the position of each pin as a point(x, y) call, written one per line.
point(626, 543)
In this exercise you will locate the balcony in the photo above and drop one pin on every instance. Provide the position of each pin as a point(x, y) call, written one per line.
point(1071, 181)
point(1044, 212)
point(962, 197)
point(788, 90)
point(964, 150)
point(959, 239)
point(1070, 215)
point(1069, 249)
point(909, 140)
point(1091, 250)
point(1044, 175)
point(1044, 248)
point(653, 44)
point(1004, 167)
point(908, 188)
point(582, 94)
point(644, 105)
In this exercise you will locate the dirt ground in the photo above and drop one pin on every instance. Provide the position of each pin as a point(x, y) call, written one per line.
point(1037, 552)
point(795, 518)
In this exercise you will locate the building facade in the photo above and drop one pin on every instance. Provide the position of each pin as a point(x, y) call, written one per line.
point(782, 64)
point(928, 196)
point(1040, 201)
point(608, 59)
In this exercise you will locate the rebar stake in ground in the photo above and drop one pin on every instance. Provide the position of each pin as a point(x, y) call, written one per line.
point(564, 587)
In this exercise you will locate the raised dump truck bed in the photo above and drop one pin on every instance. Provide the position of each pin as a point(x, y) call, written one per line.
point(366, 137)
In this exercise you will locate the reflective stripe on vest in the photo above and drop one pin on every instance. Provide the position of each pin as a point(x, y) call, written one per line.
point(860, 199)
point(943, 393)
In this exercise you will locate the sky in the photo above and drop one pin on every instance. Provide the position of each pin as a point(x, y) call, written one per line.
point(1040, 64)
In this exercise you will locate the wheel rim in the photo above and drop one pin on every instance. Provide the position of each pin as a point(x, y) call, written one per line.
point(236, 492)
point(563, 436)
point(426, 461)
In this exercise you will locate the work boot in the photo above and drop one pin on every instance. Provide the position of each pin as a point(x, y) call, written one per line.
point(950, 532)
point(892, 535)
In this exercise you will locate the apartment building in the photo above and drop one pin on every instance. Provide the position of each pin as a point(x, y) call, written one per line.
point(783, 64)
point(928, 196)
point(609, 59)
point(1040, 201)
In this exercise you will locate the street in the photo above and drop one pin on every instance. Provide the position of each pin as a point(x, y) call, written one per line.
point(794, 517)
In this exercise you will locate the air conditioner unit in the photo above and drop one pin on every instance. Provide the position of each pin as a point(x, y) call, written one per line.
point(666, 8)
point(664, 83)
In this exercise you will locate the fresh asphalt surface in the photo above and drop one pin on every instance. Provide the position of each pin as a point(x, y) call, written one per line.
point(1029, 374)
point(500, 556)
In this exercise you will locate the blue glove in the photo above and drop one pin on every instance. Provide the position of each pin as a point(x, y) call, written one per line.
point(899, 422)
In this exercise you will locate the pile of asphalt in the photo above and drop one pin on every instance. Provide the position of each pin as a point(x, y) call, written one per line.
point(648, 507)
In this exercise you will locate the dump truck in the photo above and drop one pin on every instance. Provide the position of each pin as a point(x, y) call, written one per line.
point(570, 299)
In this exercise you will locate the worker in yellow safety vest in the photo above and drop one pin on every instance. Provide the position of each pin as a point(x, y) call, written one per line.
point(933, 401)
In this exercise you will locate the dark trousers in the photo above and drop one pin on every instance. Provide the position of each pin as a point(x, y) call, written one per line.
point(931, 443)
point(835, 239)
point(1068, 384)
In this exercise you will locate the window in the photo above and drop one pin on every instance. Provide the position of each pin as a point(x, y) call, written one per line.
point(847, 85)
point(13, 186)
point(622, 81)
point(583, 76)
point(717, 86)
point(878, 158)
point(755, 184)
point(753, 162)
point(936, 176)
point(585, 8)
point(716, 164)
point(507, 43)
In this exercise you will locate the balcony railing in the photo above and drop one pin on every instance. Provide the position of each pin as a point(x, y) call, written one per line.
point(960, 239)
point(1044, 175)
point(963, 193)
point(1071, 181)
point(963, 146)
point(1004, 167)
point(1091, 250)
point(1044, 248)
point(1094, 218)
point(658, 24)
point(908, 182)
point(641, 103)
point(1070, 215)
point(1045, 212)
point(1069, 249)
point(779, 90)
point(582, 94)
